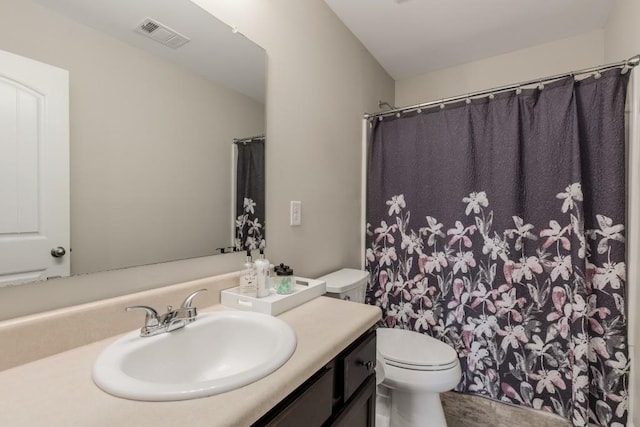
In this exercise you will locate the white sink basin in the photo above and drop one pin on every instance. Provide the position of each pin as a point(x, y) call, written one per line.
point(218, 352)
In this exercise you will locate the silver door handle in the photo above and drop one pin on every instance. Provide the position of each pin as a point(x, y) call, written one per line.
point(58, 252)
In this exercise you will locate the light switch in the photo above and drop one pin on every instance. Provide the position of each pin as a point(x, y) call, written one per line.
point(296, 213)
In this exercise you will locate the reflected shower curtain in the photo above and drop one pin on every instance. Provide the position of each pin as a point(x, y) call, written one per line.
point(250, 199)
point(498, 228)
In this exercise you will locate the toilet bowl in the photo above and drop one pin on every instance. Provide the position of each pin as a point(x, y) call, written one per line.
point(415, 369)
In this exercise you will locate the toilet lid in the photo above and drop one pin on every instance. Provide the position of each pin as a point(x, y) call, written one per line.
point(414, 350)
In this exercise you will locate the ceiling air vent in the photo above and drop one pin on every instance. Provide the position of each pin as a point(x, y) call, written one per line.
point(161, 33)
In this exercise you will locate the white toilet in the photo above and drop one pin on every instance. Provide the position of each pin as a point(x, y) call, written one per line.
point(417, 367)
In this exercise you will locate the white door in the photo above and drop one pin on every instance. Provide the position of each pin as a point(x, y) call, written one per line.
point(34, 170)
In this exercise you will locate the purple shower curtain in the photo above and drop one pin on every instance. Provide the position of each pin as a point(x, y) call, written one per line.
point(498, 228)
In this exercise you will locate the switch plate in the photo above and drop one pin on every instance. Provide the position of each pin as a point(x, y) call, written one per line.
point(295, 213)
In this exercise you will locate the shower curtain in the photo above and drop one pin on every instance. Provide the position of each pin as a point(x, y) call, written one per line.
point(497, 226)
point(250, 198)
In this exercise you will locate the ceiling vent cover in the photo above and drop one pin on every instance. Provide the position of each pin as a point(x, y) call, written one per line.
point(161, 33)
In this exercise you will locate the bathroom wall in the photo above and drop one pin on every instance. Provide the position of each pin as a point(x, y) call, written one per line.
point(584, 50)
point(117, 94)
point(320, 81)
point(622, 40)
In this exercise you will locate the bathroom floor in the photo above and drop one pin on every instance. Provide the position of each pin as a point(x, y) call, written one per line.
point(465, 410)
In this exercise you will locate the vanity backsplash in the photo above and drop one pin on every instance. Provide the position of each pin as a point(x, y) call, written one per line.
point(40, 335)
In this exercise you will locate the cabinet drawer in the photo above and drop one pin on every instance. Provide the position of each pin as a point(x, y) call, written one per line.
point(310, 405)
point(360, 410)
point(359, 363)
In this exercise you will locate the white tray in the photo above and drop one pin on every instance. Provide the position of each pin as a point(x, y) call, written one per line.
point(274, 304)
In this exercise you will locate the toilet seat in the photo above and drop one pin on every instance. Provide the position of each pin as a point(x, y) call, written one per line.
point(421, 367)
point(415, 351)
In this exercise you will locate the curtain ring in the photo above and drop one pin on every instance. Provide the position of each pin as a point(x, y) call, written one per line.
point(518, 90)
point(419, 111)
point(625, 67)
point(492, 96)
point(597, 74)
point(540, 85)
point(441, 105)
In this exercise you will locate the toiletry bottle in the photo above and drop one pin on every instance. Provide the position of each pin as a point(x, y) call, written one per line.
point(248, 279)
point(262, 273)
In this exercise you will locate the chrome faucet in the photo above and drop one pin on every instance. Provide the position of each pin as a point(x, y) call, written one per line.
point(155, 324)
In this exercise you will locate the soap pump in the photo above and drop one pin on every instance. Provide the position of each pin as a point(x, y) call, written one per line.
point(248, 280)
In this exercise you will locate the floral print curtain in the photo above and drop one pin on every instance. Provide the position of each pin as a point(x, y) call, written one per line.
point(497, 226)
point(250, 198)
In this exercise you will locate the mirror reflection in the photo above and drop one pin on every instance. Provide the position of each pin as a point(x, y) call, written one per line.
point(250, 190)
point(153, 120)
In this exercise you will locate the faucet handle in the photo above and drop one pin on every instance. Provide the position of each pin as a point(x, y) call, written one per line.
point(151, 319)
point(188, 300)
point(188, 313)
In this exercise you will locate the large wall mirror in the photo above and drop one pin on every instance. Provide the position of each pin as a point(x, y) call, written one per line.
point(152, 124)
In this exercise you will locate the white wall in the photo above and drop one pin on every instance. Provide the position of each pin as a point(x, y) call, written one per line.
point(621, 41)
point(320, 80)
point(584, 50)
point(622, 32)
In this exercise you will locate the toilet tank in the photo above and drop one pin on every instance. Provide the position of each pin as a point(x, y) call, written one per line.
point(347, 284)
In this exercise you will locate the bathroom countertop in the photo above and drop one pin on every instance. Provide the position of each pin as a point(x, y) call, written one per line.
point(58, 390)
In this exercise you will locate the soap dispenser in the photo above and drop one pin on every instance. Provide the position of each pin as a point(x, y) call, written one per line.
point(262, 273)
point(248, 279)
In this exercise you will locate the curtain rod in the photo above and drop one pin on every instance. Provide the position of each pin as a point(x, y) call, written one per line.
point(248, 139)
point(626, 65)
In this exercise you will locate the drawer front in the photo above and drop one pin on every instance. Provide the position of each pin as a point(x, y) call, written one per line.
point(359, 364)
point(360, 410)
point(311, 407)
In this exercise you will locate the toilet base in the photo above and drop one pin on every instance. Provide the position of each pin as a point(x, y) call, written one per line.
point(416, 409)
point(383, 406)
point(381, 420)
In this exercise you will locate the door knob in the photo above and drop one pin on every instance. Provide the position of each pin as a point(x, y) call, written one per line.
point(58, 252)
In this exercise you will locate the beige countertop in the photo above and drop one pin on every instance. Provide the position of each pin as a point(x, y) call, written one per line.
point(58, 390)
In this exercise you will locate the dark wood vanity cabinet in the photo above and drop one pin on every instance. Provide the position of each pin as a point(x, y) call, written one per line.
point(342, 393)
